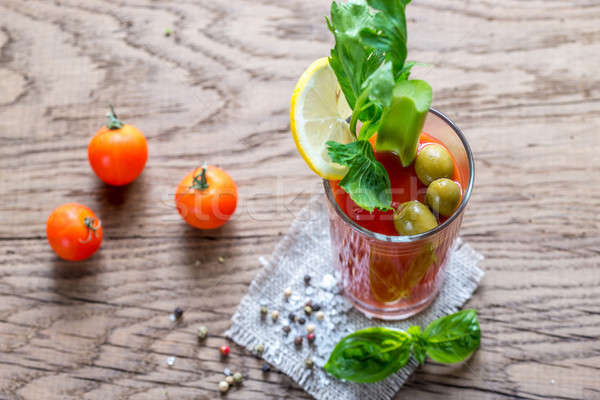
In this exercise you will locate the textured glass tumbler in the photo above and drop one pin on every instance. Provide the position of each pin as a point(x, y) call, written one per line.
point(394, 277)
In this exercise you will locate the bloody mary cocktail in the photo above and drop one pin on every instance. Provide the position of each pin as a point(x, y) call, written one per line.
point(396, 172)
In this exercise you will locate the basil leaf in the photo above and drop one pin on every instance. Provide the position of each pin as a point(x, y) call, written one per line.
point(403, 121)
point(369, 355)
point(454, 337)
point(367, 182)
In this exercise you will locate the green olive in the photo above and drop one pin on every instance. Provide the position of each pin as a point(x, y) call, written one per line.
point(433, 162)
point(413, 217)
point(443, 196)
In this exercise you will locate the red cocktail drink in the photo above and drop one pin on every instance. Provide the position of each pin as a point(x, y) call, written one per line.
point(386, 275)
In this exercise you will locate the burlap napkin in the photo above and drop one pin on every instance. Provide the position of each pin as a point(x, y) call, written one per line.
point(306, 250)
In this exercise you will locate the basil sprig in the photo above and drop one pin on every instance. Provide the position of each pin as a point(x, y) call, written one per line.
point(372, 354)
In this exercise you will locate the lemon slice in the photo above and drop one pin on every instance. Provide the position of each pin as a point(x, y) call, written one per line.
point(318, 113)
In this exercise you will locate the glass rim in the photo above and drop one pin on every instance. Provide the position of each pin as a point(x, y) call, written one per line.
point(424, 235)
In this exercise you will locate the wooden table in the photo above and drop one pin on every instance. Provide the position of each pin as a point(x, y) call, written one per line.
point(520, 78)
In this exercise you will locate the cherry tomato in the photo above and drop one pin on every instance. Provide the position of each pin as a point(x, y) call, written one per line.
point(206, 198)
point(117, 152)
point(74, 232)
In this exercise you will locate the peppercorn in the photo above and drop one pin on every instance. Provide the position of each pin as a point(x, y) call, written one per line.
point(287, 293)
point(309, 363)
point(259, 349)
point(311, 337)
point(223, 386)
point(224, 350)
point(263, 311)
point(178, 313)
point(307, 279)
point(301, 321)
point(286, 329)
point(238, 377)
point(292, 317)
point(316, 307)
point(298, 340)
point(308, 310)
point(275, 315)
point(229, 380)
point(266, 367)
point(221, 259)
point(320, 316)
point(310, 328)
point(308, 303)
point(202, 332)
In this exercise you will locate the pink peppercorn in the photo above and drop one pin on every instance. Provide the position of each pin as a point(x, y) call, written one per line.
point(224, 350)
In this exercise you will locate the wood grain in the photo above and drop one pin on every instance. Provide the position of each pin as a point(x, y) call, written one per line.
point(520, 78)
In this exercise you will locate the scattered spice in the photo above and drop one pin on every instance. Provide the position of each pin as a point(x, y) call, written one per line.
point(287, 293)
point(178, 313)
point(311, 337)
point(310, 328)
point(229, 380)
point(307, 279)
point(259, 349)
point(309, 363)
point(224, 350)
point(286, 329)
point(168, 32)
point(266, 367)
point(320, 316)
point(298, 340)
point(275, 315)
point(301, 321)
point(308, 303)
point(202, 332)
point(221, 259)
point(308, 310)
point(238, 377)
point(263, 311)
point(292, 317)
point(223, 386)
point(316, 307)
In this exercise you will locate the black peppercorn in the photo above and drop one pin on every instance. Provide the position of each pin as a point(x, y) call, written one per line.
point(292, 317)
point(266, 367)
point(298, 340)
point(316, 307)
point(286, 329)
point(178, 313)
point(301, 321)
point(307, 279)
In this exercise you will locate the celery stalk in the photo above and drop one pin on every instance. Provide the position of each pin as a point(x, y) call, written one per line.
point(403, 121)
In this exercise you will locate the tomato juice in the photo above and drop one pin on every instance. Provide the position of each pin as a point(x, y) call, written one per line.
point(405, 187)
point(391, 276)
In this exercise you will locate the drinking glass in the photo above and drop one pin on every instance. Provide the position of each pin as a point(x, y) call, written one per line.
point(394, 277)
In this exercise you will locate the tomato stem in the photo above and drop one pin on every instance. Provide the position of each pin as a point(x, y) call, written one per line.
point(200, 182)
point(90, 223)
point(113, 120)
